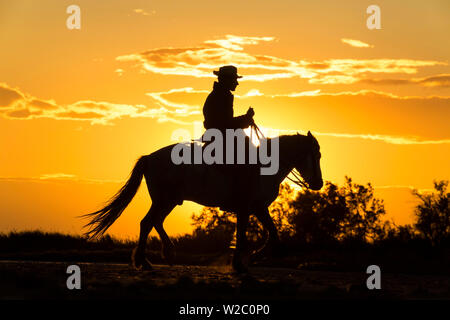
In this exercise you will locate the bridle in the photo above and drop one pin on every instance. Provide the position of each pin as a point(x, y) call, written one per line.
point(297, 178)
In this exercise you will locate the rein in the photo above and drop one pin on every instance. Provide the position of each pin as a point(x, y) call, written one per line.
point(297, 179)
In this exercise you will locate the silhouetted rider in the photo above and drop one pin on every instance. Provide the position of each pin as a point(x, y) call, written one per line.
point(218, 108)
point(219, 114)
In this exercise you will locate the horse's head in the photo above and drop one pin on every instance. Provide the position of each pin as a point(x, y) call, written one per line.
point(309, 162)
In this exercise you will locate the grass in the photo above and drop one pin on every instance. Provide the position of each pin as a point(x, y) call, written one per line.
point(52, 246)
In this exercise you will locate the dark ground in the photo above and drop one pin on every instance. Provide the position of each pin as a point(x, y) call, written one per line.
point(99, 280)
point(33, 266)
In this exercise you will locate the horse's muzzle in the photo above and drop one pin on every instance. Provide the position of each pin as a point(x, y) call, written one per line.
point(316, 186)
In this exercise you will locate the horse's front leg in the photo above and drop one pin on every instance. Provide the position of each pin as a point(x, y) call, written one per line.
point(272, 245)
point(240, 257)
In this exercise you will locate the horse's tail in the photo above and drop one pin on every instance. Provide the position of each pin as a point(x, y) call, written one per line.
point(104, 218)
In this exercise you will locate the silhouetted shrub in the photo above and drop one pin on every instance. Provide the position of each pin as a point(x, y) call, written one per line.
point(334, 216)
point(203, 241)
point(348, 213)
point(433, 213)
point(400, 234)
point(281, 211)
point(337, 213)
point(213, 225)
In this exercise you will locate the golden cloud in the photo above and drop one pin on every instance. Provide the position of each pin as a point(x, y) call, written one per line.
point(23, 113)
point(200, 61)
point(396, 140)
point(356, 43)
point(400, 140)
point(144, 12)
point(426, 115)
point(19, 105)
point(58, 178)
point(8, 96)
point(440, 80)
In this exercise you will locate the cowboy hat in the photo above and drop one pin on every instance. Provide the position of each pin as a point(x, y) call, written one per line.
point(227, 71)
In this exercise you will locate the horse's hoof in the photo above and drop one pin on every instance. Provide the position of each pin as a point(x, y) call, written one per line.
point(256, 256)
point(238, 266)
point(169, 256)
point(260, 255)
point(143, 265)
point(139, 262)
point(146, 265)
point(170, 261)
point(267, 252)
point(240, 269)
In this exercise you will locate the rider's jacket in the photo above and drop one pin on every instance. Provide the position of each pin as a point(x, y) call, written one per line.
point(218, 111)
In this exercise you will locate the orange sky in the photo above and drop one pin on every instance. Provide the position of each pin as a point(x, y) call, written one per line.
point(78, 107)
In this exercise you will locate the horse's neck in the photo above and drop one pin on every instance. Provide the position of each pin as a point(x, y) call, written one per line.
point(286, 156)
point(283, 172)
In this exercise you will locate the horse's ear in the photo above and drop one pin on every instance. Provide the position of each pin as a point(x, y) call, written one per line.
point(298, 134)
point(309, 134)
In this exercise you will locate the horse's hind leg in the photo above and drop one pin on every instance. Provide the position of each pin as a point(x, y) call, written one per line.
point(158, 211)
point(168, 248)
point(138, 257)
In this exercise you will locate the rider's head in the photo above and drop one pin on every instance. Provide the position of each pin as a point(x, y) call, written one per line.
point(227, 76)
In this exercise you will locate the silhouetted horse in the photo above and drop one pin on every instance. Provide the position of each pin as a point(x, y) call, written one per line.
point(170, 184)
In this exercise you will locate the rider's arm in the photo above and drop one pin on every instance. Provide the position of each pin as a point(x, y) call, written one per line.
point(219, 114)
point(243, 121)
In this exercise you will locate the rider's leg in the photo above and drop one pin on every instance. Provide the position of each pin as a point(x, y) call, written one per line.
point(241, 188)
point(245, 180)
point(241, 250)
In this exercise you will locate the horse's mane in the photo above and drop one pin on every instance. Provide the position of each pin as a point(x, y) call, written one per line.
point(291, 141)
